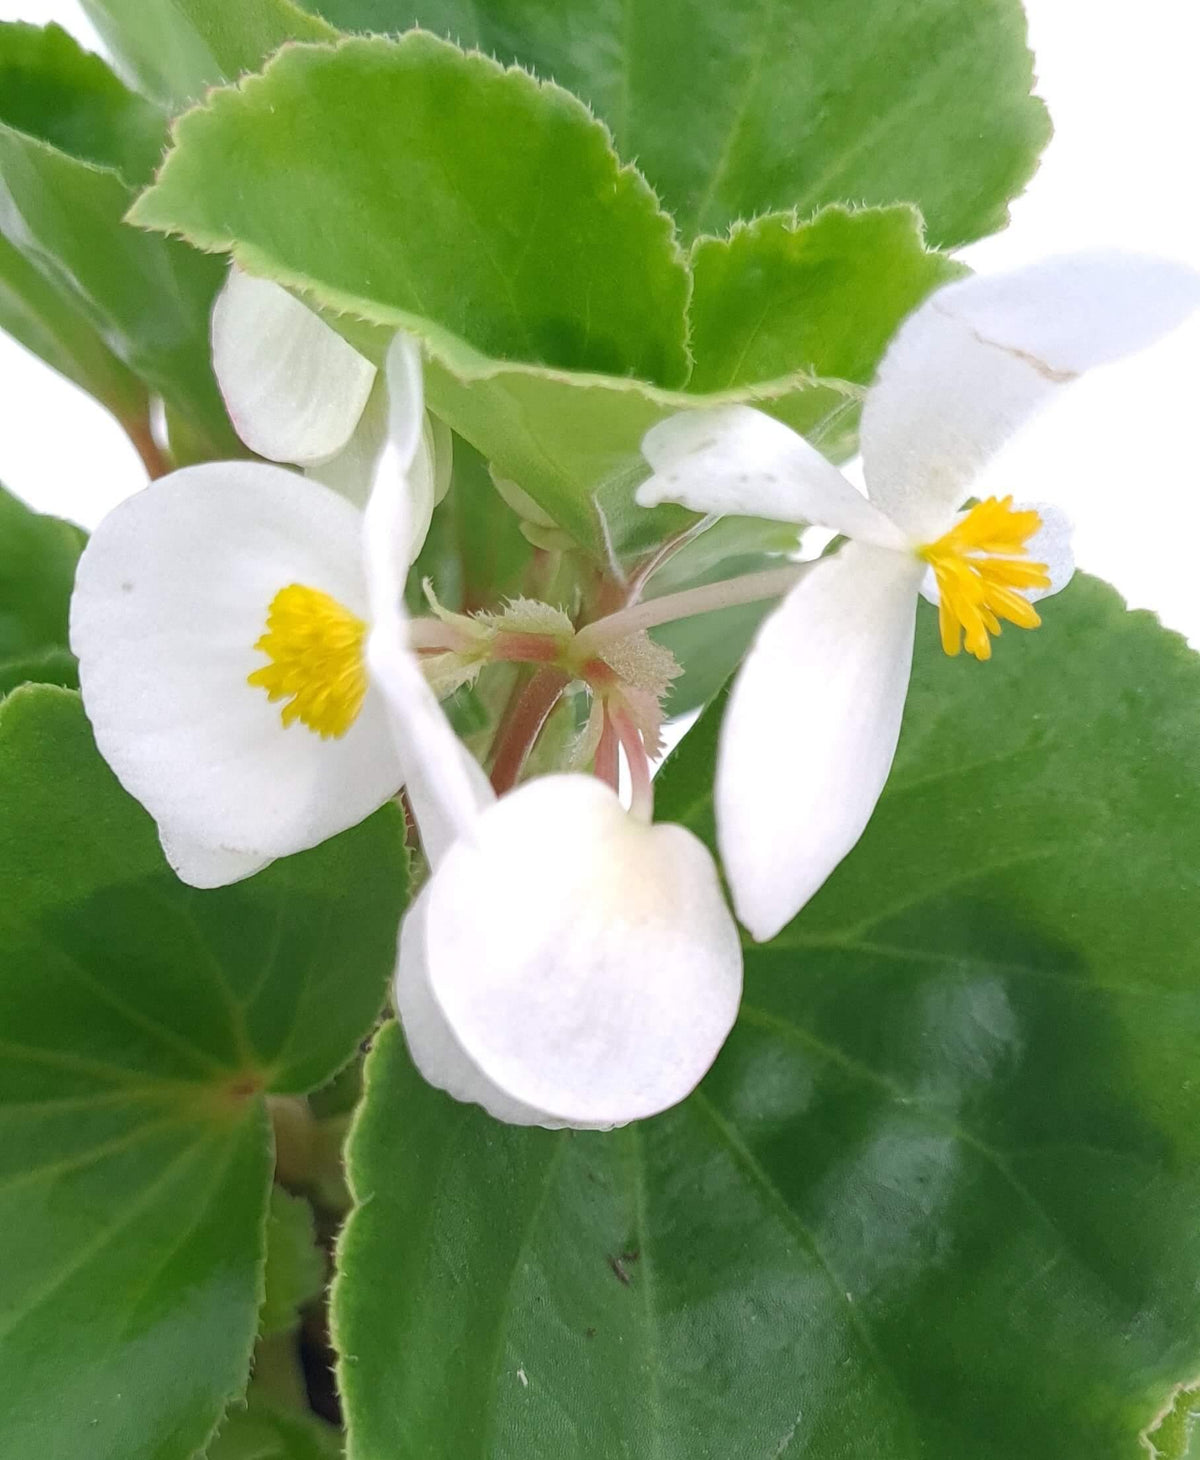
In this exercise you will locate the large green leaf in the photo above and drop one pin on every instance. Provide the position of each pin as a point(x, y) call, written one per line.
point(50, 87)
point(37, 570)
point(178, 48)
point(437, 187)
point(938, 1196)
point(734, 109)
point(141, 1023)
point(540, 274)
point(77, 284)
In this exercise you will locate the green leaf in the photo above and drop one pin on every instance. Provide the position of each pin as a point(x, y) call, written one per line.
point(1177, 1434)
point(77, 284)
point(178, 48)
point(140, 1023)
point(259, 1432)
point(483, 203)
point(58, 330)
point(777, 295)
point(295, 1271)
point(50, 87)
point(732, 110)
point(37, 570)
point(40, 666)
point(474, 553)
point(522, 306)
point(938, 1196)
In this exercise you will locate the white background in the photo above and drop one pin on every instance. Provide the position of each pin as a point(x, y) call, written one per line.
point(1120, 80)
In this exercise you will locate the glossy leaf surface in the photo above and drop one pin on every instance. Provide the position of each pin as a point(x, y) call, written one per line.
point(938, 1195)
point(141, 1022)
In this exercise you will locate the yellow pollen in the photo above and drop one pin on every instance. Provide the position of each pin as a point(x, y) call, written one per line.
point(981, 566)
point(315, 646)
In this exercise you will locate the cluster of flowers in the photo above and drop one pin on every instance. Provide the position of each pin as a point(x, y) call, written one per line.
point(254, 680)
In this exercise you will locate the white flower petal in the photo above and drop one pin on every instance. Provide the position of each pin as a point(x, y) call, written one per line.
point(431, 1042)
point(445, 786)
point(439, 442)
point(735, 461)
point(811, 729)
point(586, 963)
point(984, 355)
point(171, 594)
point(293, 387)
point(1050, 544)
point(201, 866)
point(353, 471)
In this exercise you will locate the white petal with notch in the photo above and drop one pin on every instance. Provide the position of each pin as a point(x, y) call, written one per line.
point(982, 356)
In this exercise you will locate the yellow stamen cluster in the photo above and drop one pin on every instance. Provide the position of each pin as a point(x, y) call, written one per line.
point(315, 646)
point(981, 565)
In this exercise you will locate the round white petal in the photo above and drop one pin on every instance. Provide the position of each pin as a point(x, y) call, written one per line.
point(586, 963)
point(431, 1042)
point(736, 461)
point(202, 866)
point(811, 729)
point(981, 357)
point(445, 786)
point(171, 594)
point(353, 472)
point(293, 387)
point(1050, 544)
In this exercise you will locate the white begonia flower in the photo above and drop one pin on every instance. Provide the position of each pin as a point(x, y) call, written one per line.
point(298, 393)
point(220, 620)
point(813, 719)
point(566, 964)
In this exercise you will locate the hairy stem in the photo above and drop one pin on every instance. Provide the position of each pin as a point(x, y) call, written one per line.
point(752, 588)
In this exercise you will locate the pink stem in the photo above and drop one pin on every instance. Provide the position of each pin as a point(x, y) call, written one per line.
point(530, 713)
point(605, 766)
point(771, 583)
point(641, 802)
